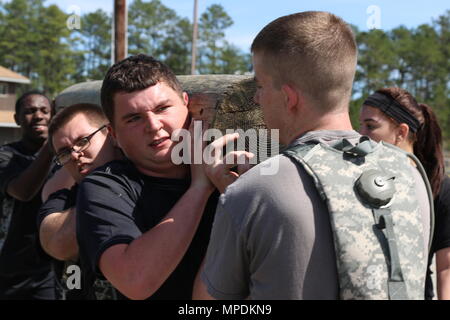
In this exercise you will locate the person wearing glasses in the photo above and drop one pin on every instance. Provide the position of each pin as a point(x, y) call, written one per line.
point(81, 143)
point(25, 270)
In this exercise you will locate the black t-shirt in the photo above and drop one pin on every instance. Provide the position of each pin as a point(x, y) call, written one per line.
point(117, 204)
point(21, 254)
point(441, 235)
point(59, 201)
point(90, 288)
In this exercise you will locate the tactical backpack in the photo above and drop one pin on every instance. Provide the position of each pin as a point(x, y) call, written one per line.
point(377, 228)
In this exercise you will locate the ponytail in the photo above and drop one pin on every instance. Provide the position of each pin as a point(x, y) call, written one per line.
point(428, 148)
point(427, 139)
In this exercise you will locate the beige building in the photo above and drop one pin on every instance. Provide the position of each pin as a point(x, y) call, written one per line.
point(9, 81)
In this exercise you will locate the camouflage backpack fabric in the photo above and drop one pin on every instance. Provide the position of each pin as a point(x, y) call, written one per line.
point(370, 193)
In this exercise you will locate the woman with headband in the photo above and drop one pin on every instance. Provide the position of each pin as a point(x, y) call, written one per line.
point(394, 116)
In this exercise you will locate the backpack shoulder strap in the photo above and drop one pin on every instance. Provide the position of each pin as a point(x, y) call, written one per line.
point(427, 186)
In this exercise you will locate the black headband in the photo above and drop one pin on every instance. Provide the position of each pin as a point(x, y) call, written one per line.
point(393, 109)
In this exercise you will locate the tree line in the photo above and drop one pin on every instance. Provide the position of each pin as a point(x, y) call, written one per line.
point(35, 41)
point(416, 59)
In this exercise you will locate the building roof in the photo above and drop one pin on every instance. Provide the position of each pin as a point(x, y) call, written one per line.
point(11, 76)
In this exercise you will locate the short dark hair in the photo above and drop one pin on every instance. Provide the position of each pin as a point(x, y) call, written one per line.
point(315, 51)
point(94, 114)
point(21, 101)
point(135, 73)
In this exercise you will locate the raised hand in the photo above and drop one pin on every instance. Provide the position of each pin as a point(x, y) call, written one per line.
point(218, 168)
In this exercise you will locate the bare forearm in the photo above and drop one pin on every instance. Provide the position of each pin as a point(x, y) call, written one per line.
point(140, 268)
point(25, 186)
point(58, 235)
point(443, 284)
point(443, 273)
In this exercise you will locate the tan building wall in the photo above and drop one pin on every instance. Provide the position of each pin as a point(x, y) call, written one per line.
point(7, 102)
point(9, 131)
point(7, 116)
point(7, 96)
point(9, 80)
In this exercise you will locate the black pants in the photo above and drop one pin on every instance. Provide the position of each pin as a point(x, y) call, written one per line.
point(34, 287)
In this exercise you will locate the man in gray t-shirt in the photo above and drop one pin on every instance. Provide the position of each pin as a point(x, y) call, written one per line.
point(271, 237)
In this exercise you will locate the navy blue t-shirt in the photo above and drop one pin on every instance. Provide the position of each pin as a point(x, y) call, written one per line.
point(21, 255)
point(89, 289)
point(60, 201)
point(117, 204)
point(20, 250)
point(441, 235)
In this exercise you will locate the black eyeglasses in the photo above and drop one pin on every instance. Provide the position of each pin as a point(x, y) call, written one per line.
point(64, 156)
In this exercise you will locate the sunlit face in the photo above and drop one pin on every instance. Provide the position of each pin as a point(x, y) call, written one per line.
point(143, 125)
point(269, 98)
point(99, 151)
point(34, 117)
point(377, 125)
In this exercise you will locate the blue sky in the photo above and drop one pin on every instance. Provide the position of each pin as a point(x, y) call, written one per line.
point(250, 16)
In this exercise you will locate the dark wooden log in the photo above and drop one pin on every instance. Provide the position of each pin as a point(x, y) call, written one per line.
point(224, 101)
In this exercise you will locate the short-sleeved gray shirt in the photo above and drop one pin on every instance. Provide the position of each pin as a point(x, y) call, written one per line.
point(271, 236)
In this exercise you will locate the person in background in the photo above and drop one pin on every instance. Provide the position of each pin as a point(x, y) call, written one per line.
point(25, 270)
point(79, 137)
point(393, 115)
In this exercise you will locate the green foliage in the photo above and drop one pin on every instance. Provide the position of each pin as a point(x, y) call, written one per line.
point(217, 56)
point(36, 42)
point(148, 23)
point(33, 41)
point(376, 58)
point(417, 60)
point(232, 61)
point(95, 37)
point(175, 49)
point(158, 31)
